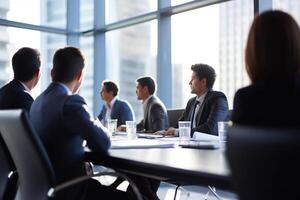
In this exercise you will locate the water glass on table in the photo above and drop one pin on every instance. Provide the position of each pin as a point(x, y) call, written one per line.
point(131, 129)
point(112, 126)
point(222, 130)
point(184, 131)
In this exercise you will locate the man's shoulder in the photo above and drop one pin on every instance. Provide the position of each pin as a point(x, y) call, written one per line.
point(216, 95)
point(15, 91)
point(74, 99)
point(155, 101)
point(122, 102)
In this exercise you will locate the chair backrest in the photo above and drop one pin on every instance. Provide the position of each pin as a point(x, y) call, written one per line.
point(173, 116)
point(36, 174)
point(264, 162)
point(8, 184)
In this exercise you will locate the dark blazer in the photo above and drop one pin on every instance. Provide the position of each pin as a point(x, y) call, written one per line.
point(155, 116)
point(121, 110)
point(268, 105)
point(63, 122)
point(13, 96)
point(214, 109)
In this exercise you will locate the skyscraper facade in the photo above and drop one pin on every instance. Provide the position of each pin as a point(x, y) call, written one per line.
point(4, 41)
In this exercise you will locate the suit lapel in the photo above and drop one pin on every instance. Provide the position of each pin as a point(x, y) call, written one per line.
point(147, 113)
point(191, 109)
point(203, 105)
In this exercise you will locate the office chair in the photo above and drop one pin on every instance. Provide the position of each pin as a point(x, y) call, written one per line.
point(264, 162)
point(173, 116)
point(36, 175)
point(8, 174)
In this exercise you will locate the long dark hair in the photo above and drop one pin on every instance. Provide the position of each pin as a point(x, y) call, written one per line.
point(273, 48)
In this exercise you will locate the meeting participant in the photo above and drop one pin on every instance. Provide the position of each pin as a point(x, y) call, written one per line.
point(207, 107)
point(114, 108)
point(272, 59)
point(155, 118)
point(16, 95)
point(61, 118)
point(155, 112)
point(26, 68)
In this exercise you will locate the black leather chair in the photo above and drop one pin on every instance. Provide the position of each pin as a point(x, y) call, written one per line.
point(173, 116)
point(36, 175)
point(8, 174)
point(264, 162)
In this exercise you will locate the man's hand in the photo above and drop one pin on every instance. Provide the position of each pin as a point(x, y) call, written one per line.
point(169, 131)
point(122, 128)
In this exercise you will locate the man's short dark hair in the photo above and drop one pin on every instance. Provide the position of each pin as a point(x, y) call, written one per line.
point(68, 62)
point(26, 62)
point(205, 71)
point(111, 86)
point(149, 82)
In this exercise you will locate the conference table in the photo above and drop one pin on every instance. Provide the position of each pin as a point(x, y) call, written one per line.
point(182, 166)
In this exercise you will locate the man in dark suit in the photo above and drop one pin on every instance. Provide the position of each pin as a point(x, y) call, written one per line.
point(155, 118)
point(16, 95)
point(26, 67)
point(208, 107)
point(114, 107)
point(61, 119)
point(155, 112)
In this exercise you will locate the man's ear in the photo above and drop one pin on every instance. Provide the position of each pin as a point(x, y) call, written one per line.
point(38, 73)
point(204, 81)
point(79, 76)
point(52, 73)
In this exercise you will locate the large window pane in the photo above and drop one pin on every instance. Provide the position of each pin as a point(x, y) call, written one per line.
point(38, 12)
point(131, 52)
point(12, 39)
point(290, 6)
point(214, 35)
point(86, 14)
point(86, 90)
point(121, 9)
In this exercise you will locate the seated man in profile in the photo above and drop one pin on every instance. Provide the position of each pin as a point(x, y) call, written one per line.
point(26, 67)
point(61, 118)
point(207, 107)
point(114, 108)
point(155, 112)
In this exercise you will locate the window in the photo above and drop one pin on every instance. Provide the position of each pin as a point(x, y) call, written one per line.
point(121, 9)
point(290, 6)
point(215, 35)
point(131, 52)
point(38, 12)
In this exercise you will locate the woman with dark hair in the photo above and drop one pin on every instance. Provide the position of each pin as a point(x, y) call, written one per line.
point(272, 61)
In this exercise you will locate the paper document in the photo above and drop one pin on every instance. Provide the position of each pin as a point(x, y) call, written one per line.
point(205, 136)
point(140, 144)
point(149, 136)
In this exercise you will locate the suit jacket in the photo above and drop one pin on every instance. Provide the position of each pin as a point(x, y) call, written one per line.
point(213, 109)
point(14, 95)
point(274, 105)
point(62, 121)
point(121, 110)
point(155, 116)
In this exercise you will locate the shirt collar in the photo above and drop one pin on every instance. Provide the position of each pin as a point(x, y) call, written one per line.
point(146, 102)
point(65, 87)
point(111, 103)
point(25, 86)
point(201, 98)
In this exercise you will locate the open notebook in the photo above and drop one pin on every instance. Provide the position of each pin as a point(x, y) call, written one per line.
point(140, 144)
